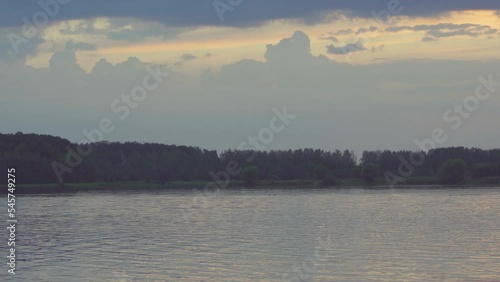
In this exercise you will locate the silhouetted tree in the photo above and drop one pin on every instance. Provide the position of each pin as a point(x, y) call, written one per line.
point(329, 180)
point(452, 172)
point(370, 171)
point(33, 155)
point(320, 172)
point(250, 175)
point(484, 170)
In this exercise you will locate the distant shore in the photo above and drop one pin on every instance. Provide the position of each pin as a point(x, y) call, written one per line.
point(378, 183)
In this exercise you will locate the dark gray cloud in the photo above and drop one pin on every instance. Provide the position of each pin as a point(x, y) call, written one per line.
point(188, 57)
point(350, 32)
point(365, 30)
point(346, 49)
point(429, 39)
point(329, 36)
point(189, 13)
point(184, 59)
point(343, 32)
point(434, 32)
point(398, 28)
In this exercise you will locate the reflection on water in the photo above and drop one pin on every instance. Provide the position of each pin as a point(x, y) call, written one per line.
point(382, 235)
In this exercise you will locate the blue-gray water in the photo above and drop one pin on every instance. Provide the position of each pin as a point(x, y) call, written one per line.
point(260, 235)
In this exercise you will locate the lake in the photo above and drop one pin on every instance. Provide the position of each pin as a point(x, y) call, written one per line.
point(260, 235)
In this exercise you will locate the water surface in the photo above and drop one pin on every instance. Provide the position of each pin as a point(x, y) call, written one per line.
point(261, 235)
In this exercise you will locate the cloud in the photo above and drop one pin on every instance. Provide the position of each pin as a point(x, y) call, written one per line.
point(343, 32)
point(328, 36)
point(132, 64)
point(14, 46)
point(434, 32)
point(222, 107)
point(188, 57)
point(65, 62)
point(365, 30)
point(297, 46)
point(346, 49)
point(185, 58)
point(192, 13)
point(326, 93)
point(350, 31)
point(378, 48)
point(398, 28)
point(429, 39)
point(121, 29)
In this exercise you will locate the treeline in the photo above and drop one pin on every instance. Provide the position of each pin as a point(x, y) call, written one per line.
point(433, 160)
point(40, 158)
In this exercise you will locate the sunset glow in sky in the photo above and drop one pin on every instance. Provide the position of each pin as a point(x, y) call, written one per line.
point(232, 44)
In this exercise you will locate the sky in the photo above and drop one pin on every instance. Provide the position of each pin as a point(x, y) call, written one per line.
point(357, 75)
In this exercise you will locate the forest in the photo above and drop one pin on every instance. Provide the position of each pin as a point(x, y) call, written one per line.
point(48, 159)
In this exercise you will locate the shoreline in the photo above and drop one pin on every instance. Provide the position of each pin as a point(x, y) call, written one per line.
point(138, 186)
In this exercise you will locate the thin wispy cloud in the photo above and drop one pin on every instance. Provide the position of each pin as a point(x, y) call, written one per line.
point(358, 46)
point(365, 30)
point(443, 30)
